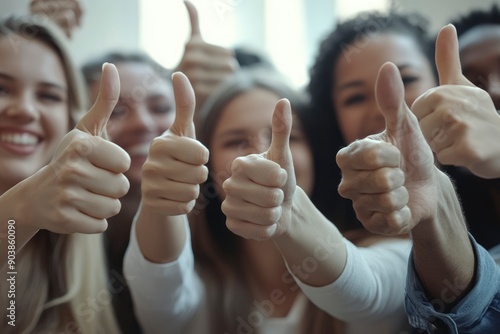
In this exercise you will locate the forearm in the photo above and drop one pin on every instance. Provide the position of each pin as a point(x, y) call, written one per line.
point(442, 251)
point(161, 238)
point(165, 295)
point(313, 247)
point(15, 229)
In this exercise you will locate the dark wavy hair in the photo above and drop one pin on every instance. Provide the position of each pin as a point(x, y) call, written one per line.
point(476, 18)
point(321, 125)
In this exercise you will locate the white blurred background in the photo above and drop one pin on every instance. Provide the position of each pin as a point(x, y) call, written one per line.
point(286, 31)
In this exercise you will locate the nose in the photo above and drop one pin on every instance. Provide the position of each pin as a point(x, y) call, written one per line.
point(374, 118)
point(141, 120)
point(22, 108)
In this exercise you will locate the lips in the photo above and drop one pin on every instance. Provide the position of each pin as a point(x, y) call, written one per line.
point(19, 142)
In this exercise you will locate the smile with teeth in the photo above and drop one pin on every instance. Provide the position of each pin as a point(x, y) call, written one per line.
point(23, 139)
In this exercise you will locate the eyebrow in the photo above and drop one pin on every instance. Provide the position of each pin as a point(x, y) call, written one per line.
point(234, 132)
point(359, 83)
point(45, 83)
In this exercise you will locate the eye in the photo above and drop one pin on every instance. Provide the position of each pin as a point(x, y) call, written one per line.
point(50, 97)
point(119, 112)
point(3, 91)
point(354, 99)
point(238, 143)
point(161, 109)
point(408, 79)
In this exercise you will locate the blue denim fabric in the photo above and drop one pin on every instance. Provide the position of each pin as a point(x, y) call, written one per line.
point(477, 313)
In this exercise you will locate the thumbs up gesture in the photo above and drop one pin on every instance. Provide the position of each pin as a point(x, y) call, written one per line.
point(79, 189)
point(175, 166)
point(206, 65)
point(458, 119)
point(390, 177)
point(259, 192)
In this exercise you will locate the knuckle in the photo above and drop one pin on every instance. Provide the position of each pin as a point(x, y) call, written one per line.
point(275, 197)
point(382, 180)
point(158, 147)
point(344, 189)
point(387, 201)
point(184, 208)
point(237, 166)
point(115, 208)
point(192, 192)
point(270, 215)
point(150, 169)
point(265, 233)
point(229, 187)
point(202, 174)
point(124, 186)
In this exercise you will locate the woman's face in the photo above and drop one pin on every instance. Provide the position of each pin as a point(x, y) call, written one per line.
point(34, 113)
point(480, 58)
point(244, 128)
point(144, 111)
point(355, 74)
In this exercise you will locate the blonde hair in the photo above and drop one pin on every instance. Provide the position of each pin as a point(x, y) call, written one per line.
point(59, 276)
point(217, 250)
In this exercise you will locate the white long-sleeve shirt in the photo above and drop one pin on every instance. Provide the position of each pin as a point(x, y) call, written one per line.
point(368, 295)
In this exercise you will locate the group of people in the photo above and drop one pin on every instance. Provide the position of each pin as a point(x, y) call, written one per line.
point(218, 199)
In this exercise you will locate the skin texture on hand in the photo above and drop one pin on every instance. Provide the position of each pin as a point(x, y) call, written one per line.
point(390, 176)
point(171, 180)
point(79, 189)
point(396, 188)
point(263, 184)
point(263, 202)
point(458, 119)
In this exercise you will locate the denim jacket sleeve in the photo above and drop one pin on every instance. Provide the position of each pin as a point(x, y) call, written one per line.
point(478, 311)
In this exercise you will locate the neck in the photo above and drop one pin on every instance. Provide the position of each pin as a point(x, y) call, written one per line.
point(268, 276)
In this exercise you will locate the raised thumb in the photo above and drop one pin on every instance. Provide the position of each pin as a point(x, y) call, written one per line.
point(389, 92)
point(279, 151)
point(448, 58)
point(193, 19)
point(96, 119)
point(184, 106)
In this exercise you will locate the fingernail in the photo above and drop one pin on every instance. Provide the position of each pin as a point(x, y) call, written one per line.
point(103, 65)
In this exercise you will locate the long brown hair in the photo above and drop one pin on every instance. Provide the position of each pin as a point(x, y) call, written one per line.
point(57, 274)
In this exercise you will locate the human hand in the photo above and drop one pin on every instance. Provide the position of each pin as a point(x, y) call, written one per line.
point(66, 14)
point(458, 119)
point(206, 65)
point(175, 167)
point(79, 189)
point(259, 193)
point(390, 177)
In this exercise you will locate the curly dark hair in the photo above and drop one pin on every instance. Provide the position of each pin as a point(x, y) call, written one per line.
point(477, 18)
point(321, 124)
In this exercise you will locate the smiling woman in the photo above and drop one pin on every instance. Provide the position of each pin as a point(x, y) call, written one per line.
point(49, 185)
point(34, 94)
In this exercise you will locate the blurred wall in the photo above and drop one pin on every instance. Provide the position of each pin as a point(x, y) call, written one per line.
point(107, 25)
